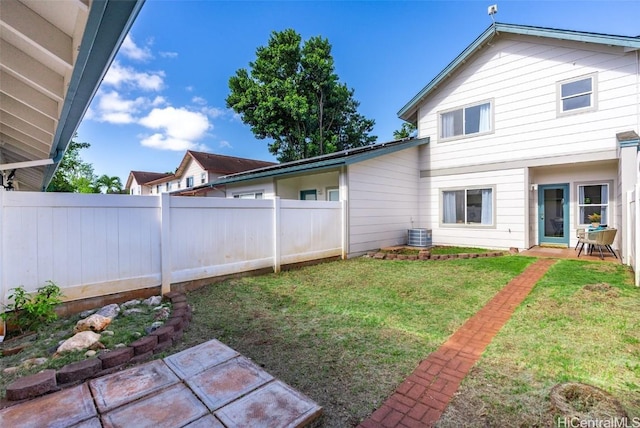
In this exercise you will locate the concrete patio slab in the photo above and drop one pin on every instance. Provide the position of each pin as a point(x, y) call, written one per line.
point(91, 423)
point(114, 390)
point(272, 406)
point(175, 406)
point(199, 358)
point(228, 381)
point(63, 409)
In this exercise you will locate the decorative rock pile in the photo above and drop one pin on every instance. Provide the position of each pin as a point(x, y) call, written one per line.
point(159, 338)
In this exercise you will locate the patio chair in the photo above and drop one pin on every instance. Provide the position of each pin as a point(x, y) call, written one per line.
point(602, 238)
point(579, 234)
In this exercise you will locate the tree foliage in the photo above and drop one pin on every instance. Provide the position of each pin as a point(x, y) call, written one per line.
point(76, 176)
point(405, 131)
point(292, 95)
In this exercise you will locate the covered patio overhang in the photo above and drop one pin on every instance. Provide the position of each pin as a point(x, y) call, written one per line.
point(53, 56)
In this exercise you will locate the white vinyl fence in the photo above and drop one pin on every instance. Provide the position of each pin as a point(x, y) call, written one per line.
point(633, 225)
point(94, 245)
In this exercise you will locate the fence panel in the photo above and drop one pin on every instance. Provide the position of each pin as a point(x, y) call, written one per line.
point(93, 245)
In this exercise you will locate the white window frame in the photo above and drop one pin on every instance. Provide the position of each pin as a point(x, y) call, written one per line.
point(594, 95)
point(332, 190)
point(187, 181)
point(258, 194)
point(466, 223)
point(464, 108)
point(203, 177)
point(580, 204)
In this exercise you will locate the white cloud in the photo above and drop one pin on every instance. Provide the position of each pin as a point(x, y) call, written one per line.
point(113, 108)
point(180, 128)
point(189, 88)
point(119, 76)
point(169, 54)
point(133, 51)
point(199, 100)
point(214, 112)
point(158, 101)
point(225, 145)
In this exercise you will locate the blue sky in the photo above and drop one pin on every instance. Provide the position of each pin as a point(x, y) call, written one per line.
point(166, 90)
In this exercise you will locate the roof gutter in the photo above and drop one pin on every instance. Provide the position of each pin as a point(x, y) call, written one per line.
point(108, 23)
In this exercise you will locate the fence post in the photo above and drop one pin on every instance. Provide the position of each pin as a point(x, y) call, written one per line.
point(276, 234)
point(165, 242)
point(345, 229)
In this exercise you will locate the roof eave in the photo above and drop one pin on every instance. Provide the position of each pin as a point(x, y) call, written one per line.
point(108, 23)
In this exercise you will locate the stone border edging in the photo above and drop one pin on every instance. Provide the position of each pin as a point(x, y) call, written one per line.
point(426, 255)
point(141, 350)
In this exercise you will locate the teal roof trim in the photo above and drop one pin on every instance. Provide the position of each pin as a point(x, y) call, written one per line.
point(408, 111)
point(108, 23)
point(346, 157)
point(630, 143)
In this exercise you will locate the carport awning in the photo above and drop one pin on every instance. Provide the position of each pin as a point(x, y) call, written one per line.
point(53, 56)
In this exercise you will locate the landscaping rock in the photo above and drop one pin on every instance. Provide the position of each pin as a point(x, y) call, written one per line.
point(131, 303)
point(90, 353)
point(115, 358)
point(157, 325)
point(32, 362)
point(379, 256)
point(152, 301)
point(107, 333)
point(79, 371)
point(32, 386)
point(10, 370)
point(109, 311)
point(162, 313)
point(85, 314)
point(95, 322)
point(80, 341)
point(131, 311)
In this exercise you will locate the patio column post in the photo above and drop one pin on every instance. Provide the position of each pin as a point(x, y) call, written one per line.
point(165, 242)
point(2, 237)
point(276, 234)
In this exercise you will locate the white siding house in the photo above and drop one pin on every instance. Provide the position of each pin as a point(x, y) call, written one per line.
point(529, 130)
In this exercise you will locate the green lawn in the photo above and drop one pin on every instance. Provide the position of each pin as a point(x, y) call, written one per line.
point(581, 323)
point(347, 333)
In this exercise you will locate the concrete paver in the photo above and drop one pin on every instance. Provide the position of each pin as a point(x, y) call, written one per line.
point(119, 388)
point(172, 407)
point(274, 404)
point(422, 398)
point(228, 381)
point(199, 358)
point(63, 409)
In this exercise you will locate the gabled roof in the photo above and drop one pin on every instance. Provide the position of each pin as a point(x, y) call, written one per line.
point(220, 164)
point(332, 160)
point(409, 111)
point(144, 177)
point(53, 56)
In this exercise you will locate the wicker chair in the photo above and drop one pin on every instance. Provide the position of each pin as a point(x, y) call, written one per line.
point(580, 235)
point(602, 238)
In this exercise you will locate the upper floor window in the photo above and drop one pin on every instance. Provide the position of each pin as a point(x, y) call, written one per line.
point(167, 186)
point(190, 181)
point(469, 120)
point(248, 195)
point(203, 178)
point(577, 95)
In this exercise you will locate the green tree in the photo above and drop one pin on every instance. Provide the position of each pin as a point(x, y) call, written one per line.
point(292, 95)
point(73, 174)
point(108, 184)
point(405, 131)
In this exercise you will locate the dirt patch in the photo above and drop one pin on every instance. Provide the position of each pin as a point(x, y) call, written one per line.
point(585, 402)
point(602, 289)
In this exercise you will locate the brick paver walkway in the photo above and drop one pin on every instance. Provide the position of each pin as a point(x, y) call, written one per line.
point(421, 399)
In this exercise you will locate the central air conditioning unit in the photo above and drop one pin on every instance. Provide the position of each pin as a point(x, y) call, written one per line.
point(419, 238)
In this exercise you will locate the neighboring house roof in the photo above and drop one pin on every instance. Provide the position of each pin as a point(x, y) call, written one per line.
point(144, 177)
point(409, 111)
point(332, 160)
point(220, 164)
point(53, 56)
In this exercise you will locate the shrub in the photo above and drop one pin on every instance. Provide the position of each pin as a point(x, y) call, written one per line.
point(30, 312)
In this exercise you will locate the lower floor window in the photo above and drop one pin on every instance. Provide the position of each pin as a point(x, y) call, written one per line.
point(468, 206)
point(248, 195)
point(593, 199)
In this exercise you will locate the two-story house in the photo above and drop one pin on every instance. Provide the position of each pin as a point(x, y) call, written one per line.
point(195, 169)
point(527, 132)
